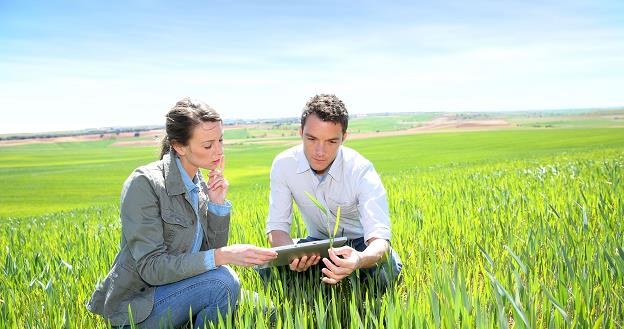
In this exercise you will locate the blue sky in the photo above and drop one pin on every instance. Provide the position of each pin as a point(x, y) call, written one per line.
point(85, 64)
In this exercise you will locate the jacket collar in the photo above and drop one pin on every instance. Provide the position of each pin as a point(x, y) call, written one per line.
point(173, 178)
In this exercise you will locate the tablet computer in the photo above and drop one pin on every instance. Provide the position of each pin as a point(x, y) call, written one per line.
point(285, 254)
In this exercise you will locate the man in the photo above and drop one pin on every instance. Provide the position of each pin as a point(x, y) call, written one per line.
point(336, 176)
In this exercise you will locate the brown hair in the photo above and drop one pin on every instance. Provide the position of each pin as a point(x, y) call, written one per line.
point(185, 115)
point(327, 108)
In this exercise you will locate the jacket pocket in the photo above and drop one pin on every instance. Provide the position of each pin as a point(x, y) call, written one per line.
point(174, 226)
point(218, 231)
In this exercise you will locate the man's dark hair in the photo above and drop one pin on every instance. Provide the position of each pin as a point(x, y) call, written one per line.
point(327, 108)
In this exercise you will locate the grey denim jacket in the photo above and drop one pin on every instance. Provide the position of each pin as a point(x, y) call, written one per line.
point(157, 232)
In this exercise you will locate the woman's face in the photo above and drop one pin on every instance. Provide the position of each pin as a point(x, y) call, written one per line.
point(204, 148)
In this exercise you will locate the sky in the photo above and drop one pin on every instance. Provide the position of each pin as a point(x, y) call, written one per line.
point(88, 64)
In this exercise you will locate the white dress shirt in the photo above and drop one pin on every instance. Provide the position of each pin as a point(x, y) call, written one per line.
point(351, 183)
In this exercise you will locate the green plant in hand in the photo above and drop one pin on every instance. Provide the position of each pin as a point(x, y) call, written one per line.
point(332, 234)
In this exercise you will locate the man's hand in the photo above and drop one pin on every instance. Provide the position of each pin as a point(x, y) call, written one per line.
point(344, 261)
point(304, 263)
point(280, 238)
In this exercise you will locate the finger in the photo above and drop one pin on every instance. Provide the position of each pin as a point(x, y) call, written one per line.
point(262, 260)
point(222, 163)
point(329, 280)
point(335, 259)
point(216, 185)
point(261, 255)
point(217, 168)
point(293, 264)
point(266, 252)
point(331, 275)
point(331, 267)
point(303, 264)
point(254, 261)
point(317, 258)
point(215, 173)
point(344, 250)
point(212, 178)
point(310, 262)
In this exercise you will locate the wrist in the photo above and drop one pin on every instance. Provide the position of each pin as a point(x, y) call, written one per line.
point(221, 256)
point(358, 260)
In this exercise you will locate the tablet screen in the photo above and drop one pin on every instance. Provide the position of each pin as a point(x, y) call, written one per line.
point(285, 254)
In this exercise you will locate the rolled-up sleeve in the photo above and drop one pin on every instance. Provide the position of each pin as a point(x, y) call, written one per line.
point(220, 209)
point(209, 259)
point(373, 205)
point(280, 201)
point(143, 230)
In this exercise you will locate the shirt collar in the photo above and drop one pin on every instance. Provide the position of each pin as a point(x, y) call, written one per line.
point(190, 184)
point(335, 169)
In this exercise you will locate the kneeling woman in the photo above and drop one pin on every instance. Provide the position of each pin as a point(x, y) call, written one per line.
point(174, 233)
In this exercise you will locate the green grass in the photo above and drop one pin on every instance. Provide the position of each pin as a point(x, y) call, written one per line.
point(495, 229)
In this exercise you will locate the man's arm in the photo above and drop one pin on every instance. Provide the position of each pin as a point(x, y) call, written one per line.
point(374, 254)
point(375, 219)
point(279, 238)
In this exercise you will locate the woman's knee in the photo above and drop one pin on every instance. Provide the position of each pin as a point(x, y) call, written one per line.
point(232, 284)
point(226, 282)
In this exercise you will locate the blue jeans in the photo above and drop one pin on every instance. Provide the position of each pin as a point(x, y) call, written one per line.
point(207, 295)
point(381, 276)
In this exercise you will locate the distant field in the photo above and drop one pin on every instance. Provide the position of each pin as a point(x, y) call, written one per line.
point(362, 126)
point(387, 123)
point(47, 178)
point(602, 119)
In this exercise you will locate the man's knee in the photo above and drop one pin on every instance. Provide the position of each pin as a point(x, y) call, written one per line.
point(391, 269)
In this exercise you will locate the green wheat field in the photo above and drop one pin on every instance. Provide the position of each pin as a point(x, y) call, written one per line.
point(519, 228)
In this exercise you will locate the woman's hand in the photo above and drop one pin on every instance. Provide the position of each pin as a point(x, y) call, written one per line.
point(217, 184)
point(243, 255)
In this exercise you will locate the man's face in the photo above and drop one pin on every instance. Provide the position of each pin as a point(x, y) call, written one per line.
point(321, 141)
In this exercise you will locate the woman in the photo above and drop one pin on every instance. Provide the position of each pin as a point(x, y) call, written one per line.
point(175, 229)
